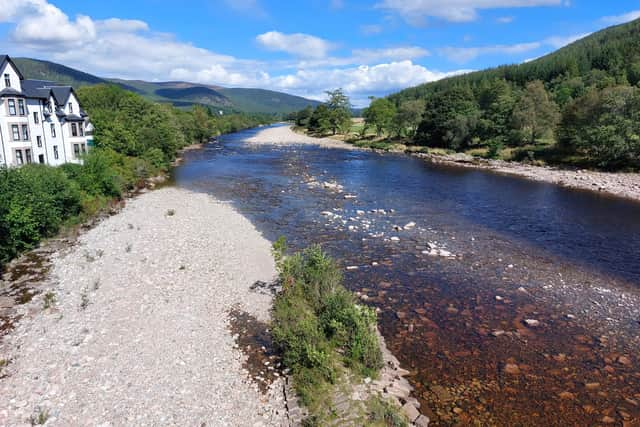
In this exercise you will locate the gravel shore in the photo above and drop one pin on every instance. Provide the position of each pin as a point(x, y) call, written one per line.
point(625, 185)
point(284, 135)
point(138, 333)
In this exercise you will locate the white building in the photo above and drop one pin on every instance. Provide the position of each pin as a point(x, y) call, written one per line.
point(40, 122)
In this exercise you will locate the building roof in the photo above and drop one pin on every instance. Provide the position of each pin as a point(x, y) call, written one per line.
point(6, 58)
point(9, 91)
point(61, 93)
point(73, 118)
point(36, 88)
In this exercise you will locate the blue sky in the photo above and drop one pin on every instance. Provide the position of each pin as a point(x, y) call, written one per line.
point(368, 47)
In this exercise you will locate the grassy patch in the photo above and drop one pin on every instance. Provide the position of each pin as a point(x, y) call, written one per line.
point(318, 326)
point(383, 413)
point(49, 300)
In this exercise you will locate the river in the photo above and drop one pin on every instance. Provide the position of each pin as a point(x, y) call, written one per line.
point(534, 317)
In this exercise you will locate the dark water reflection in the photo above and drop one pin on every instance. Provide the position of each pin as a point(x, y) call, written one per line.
point(523, 250)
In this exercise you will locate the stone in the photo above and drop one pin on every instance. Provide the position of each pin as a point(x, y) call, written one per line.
point(409, 225)
point(567, 395)
point(498, 333)
point(422, 421)
point(624, 360)
point(608, 420)
point(395, 239)
point(410, 411)
point(532, 323)
point(511, 369)
point(592, 386)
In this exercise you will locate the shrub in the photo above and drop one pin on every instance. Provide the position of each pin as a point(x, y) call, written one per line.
point(317, 324)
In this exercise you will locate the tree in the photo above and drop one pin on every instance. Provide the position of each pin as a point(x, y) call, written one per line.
point(379, 114)
point(320, 120)
point(449, 119)
point(604, 125)
point(535, 112)
point(408, 117)
point(339, 110)
point(303, 116)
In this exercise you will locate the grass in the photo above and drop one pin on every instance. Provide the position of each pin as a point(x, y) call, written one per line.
point(319, 328)
point(40, 418)
point(84, 299)
point(49, 300)
point(383, 413)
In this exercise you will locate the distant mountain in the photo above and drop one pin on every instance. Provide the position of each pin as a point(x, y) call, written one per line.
point(180, 94)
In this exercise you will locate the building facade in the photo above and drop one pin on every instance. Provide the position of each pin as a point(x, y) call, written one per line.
point(40, 121)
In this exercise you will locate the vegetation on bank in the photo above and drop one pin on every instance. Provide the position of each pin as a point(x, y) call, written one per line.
point(321, 331)
point(578, 106)
point(134, 140)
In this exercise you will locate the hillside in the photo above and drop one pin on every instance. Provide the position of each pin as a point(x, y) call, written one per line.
point(579, 105)
point(181, 94)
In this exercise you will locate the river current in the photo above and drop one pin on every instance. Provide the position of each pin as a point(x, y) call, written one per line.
point(511, 302)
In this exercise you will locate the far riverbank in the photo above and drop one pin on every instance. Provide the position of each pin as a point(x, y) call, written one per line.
point(625, 185)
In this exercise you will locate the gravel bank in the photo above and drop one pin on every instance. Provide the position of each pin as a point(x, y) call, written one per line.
point(625, 185)
point(138, 334)
point(284, 135)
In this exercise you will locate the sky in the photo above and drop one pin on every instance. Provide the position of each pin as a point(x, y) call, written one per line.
point(367, 47)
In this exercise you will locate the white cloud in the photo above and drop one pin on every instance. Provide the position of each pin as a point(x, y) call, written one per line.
point(505, 20)
point(251, 7)
point(621, 19)
point(370, 30)
point(301, 45)
point(414, 11)
point(466, 54)
point(129, 49)
point(557, 42)
point(360, 81)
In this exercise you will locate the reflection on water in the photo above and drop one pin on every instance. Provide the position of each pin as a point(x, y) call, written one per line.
point(532, 321)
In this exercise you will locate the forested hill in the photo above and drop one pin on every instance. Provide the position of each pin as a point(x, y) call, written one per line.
point(585, 96)
point(180, 94)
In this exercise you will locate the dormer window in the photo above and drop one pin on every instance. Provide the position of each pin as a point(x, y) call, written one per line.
point(7, 80)
point(70, 108)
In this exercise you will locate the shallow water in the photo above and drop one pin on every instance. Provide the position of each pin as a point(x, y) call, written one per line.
point(523, 250)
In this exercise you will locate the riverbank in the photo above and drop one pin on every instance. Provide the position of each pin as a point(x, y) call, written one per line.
point(132, 326)
point(625, 185)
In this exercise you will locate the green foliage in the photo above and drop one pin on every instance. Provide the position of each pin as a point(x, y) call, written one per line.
point(383, 413)
point(604, 125)
point(380, 114)
point(35, 201)
point(517, 104)
point(339, 111)
point(315, 319)
point(408, 117)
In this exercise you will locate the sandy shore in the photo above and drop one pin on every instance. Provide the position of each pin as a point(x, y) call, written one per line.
point(625, 185)
point(138, 333)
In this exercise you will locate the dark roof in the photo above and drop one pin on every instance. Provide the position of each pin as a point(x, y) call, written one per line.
point(61, 93)
point(59, 112)
point(4, 58)
point(9, 91)
point(73, 118)
point(36, 88)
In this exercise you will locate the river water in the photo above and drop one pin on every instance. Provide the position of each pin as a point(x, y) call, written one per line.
point(532, 320)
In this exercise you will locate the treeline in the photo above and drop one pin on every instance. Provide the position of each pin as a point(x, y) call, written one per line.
point(331, 117)
point(135, 139)
point(584, 97)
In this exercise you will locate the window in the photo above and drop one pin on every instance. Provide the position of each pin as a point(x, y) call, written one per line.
point(70, 108)
point(81, 126)
point(7, 80)
point(55, 152)
point(15, 130)
point(36, 117)
point(12, 107)
point(84, 148)
point(39, 140)
point(76, 150)
point(19, 159)
point(74, 129)
point(41, 159)
point(21, 107)
point(53, 130)
point(25, 132)
point(27, 153)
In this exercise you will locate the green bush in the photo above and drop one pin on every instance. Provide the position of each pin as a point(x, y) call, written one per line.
point(317, 324)
point(35, 202)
